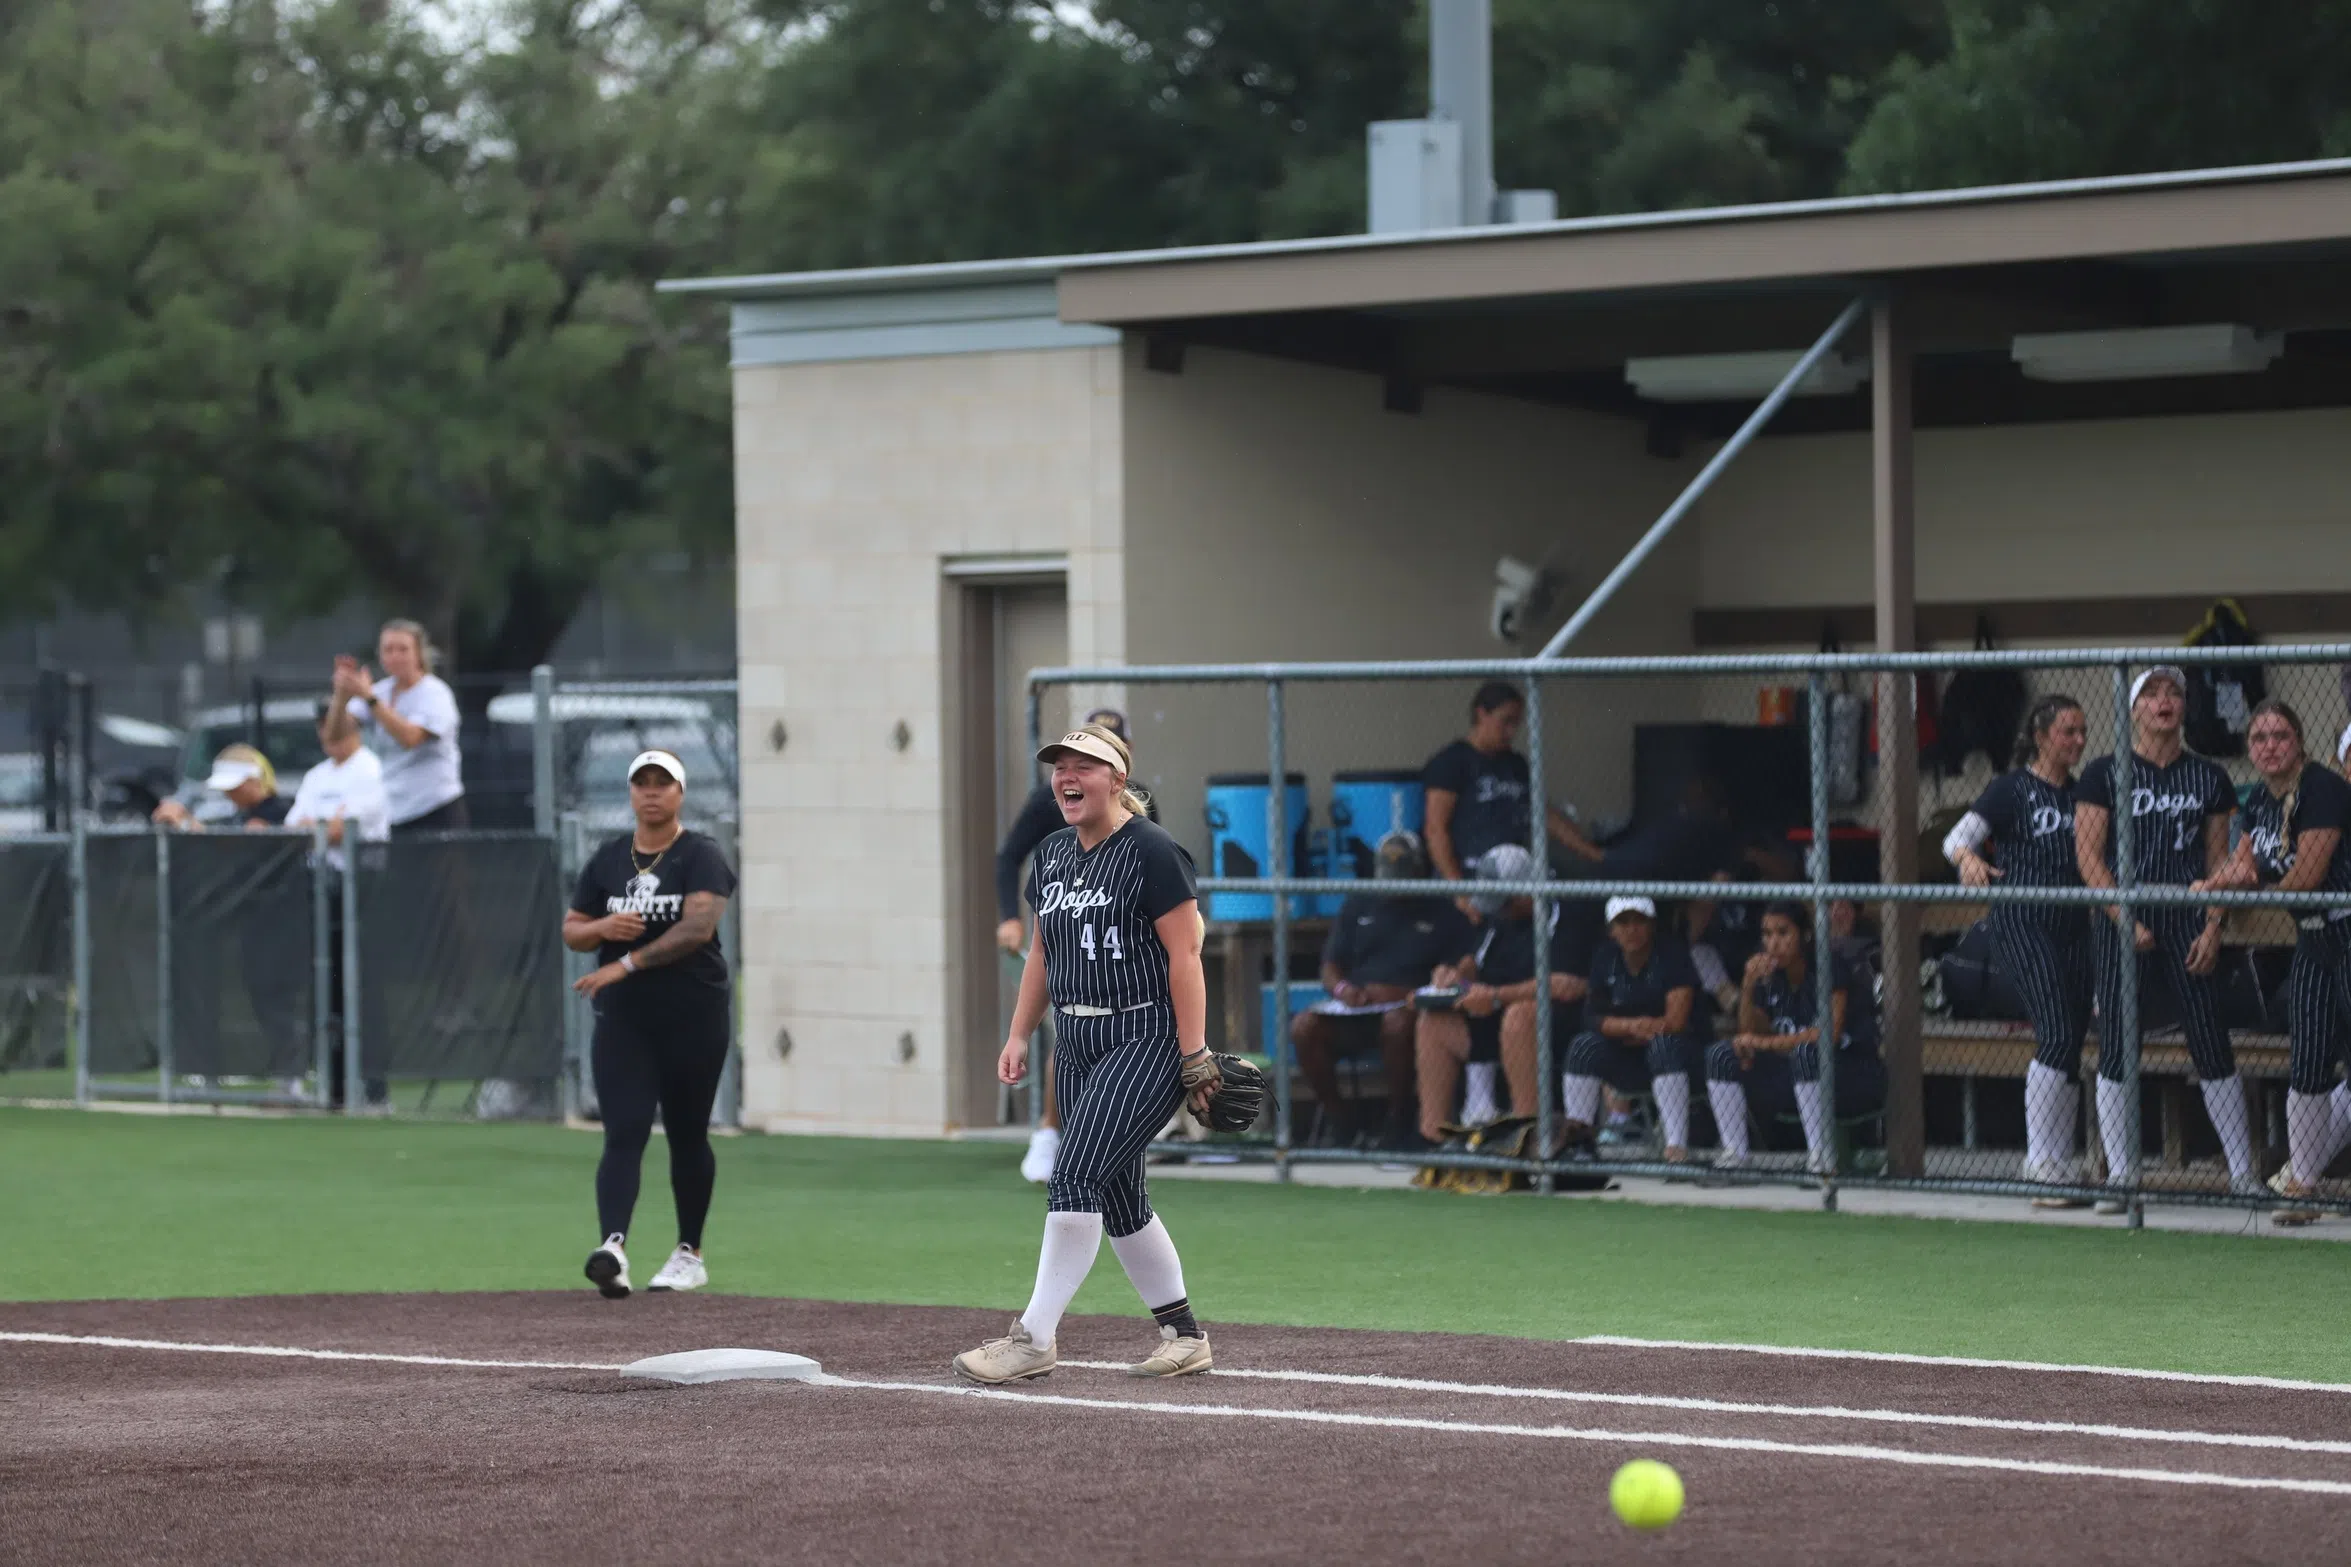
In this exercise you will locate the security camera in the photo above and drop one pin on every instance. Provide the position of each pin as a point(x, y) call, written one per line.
point(1522, 596)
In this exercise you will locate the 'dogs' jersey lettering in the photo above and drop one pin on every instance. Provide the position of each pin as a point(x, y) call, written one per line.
point(2032, 829)
point(1097, 914)
point(2169, 808)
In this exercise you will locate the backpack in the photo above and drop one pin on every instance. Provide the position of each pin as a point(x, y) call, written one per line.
point(1974, 988)
point(1512, 1137)
point(1981, 711)
point(2221, 697)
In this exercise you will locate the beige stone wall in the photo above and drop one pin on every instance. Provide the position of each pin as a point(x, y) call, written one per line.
point(1275, 511)
point(854, 480)
point(2243, 503)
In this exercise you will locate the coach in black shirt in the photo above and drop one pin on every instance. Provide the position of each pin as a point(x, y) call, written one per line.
point(1380, 950)
point(1479, 787)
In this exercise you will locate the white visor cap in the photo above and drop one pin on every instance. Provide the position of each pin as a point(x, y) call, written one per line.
point(664, 760)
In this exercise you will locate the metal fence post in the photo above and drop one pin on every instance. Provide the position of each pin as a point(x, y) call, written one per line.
point(163, 1042)
point(322, 964)
point(1277, 817)
point(1044, 1040)
point(80, 877)
point(575, 1044)
point(1824, 985)
point(543, 750)
point(2126, 877)
point(354, 1081)
point(1539, 832)
point(729, 1105)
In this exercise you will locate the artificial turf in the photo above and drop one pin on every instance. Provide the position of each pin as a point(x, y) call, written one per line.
point(111, 1205)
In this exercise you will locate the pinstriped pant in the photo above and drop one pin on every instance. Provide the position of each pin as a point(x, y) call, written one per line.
point(1118, 1080)
point(2314, 1006)
point(2046, 952)
point(2198, 995)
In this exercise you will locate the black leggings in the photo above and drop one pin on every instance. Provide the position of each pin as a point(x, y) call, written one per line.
point(671, 1064)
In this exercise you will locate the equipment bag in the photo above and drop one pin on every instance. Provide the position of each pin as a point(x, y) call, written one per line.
point(1974, 988)
point(1981, 711)
point(2221, 697)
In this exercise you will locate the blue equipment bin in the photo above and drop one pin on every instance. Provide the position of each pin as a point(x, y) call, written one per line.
point(1239, 833)
point(1303, 994)
point(1324, 857)
point(1366, 807)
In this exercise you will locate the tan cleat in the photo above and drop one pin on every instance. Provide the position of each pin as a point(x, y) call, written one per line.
point(1013, 1358)
point(1175, 1357)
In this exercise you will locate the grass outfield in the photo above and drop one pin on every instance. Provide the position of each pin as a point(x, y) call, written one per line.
point(110, 1205)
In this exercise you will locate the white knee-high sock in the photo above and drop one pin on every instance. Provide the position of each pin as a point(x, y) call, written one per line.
point(2114, 1128)
point(1673, 1107)
point(1813, 1106)
point(2310, 1134)
point(1730, 1115)
point(1153, 1268)
point(1071, 1240)
point(2050, 1098)
point(1477, 1094)
point(2224, 1101)
point(1579, 1098)
point(2340, 1099)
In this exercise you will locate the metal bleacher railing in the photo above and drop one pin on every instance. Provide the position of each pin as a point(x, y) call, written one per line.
point(1948, 1107)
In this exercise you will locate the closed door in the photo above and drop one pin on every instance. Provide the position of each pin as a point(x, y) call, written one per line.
point(1032, 632)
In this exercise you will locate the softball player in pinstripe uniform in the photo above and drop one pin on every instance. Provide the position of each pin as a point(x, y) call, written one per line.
point(2293, 840)
point(1117, 957)
point(2180, 809)
point(2025, 818)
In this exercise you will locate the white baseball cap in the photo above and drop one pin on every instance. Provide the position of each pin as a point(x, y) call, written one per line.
point(1645, 907)
point(2171, 672)
point(664, 760)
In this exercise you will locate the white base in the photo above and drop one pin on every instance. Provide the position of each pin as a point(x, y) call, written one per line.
point(725, 1365)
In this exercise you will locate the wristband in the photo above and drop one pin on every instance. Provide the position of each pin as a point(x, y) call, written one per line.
point(628, 963)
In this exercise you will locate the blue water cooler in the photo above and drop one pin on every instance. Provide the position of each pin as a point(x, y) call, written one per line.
point(1366, 807)
point(1239, 836)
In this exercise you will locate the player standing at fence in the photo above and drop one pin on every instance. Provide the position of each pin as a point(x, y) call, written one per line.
point(648, 904)
point(2025, 819)
point(1117, 957)
point(2293, 841)
point(415, 713)
point(2180, 808)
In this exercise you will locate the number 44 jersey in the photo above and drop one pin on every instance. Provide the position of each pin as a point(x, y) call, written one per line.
point(1097, 913)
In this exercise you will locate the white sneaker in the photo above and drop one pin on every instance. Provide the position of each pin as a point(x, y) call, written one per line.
point(1726, 1160)
point(1036, 1166)
point(683, 1271)
point(608, 1269)
point(2247, 1185)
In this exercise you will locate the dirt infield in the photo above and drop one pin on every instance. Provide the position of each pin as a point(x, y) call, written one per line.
point(1308, 1444)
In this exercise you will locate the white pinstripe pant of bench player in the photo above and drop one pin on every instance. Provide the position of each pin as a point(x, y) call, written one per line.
point(1118, 1080)
point(2207, 1038)
point(2318, 1104)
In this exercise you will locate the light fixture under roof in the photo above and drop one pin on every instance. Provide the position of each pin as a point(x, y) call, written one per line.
point(2146, 353)
point(1723, 378)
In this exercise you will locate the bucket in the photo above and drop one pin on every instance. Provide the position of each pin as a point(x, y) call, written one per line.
point(1239, 835)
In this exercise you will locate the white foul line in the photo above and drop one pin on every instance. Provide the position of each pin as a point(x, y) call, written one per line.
point(280, 1352)
point(1888, 1357)
point(1307, 1416)
point(1713, 1406)
point(1666, 1439)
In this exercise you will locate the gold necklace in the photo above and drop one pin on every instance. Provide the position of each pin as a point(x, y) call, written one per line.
point(656, 860)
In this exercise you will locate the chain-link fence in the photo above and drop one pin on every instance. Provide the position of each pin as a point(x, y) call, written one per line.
point(244, 968)
point(1796, 827)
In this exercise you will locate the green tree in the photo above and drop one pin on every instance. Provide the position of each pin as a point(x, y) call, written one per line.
point(2032, 91)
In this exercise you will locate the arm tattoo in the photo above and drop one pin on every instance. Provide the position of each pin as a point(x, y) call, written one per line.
point(696, 925)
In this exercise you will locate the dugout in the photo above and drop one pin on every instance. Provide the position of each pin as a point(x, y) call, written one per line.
point(946, 475)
